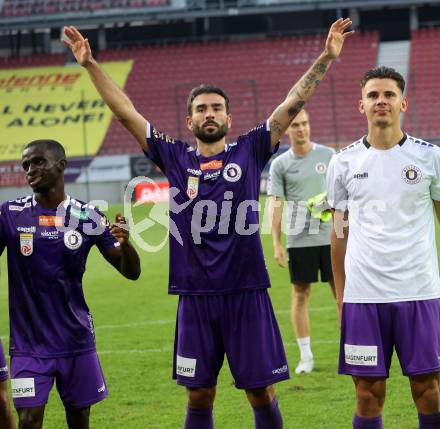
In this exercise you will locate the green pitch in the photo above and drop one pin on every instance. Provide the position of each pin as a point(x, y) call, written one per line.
point(135, 332)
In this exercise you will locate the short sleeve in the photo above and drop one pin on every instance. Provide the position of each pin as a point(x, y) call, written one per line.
point(434, 188)
point(337, 194)
point(163, 150)
point(260, 139)
point(276, 180)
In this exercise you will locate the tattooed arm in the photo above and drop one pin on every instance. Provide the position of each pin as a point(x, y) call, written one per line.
point(303, 90)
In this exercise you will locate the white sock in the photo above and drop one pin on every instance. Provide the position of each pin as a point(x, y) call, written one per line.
point(304, 347)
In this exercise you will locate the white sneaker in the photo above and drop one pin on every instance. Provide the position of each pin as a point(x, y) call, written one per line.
point(305, 366)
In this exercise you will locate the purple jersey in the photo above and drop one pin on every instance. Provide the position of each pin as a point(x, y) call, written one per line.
point(47, 252)
point(215, 247)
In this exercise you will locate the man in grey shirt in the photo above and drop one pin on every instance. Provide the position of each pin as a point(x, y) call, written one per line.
point(298, 176)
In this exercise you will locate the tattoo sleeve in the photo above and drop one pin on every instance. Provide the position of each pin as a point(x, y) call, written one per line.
point(275, 126)
point(297, 97)
point(308, 83)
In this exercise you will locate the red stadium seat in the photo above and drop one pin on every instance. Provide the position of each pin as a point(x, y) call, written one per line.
point(256, 74)
point(423, 84)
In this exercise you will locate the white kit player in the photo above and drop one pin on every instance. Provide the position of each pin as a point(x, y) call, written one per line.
point(383, 189)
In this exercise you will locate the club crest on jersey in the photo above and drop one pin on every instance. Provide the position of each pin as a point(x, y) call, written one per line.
point(73, 239)
point(232, 172)
point(411, 174)
point(27, 244)
point(320, 168)
point(193, 187)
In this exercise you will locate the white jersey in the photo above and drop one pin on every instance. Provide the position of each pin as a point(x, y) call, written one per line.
point(391, 252)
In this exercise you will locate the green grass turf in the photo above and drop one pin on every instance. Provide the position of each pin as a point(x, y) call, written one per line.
point(135, 331)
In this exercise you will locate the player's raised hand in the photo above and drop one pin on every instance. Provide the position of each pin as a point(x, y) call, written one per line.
point(120, 229)
point(336, 37)
point(78, 44)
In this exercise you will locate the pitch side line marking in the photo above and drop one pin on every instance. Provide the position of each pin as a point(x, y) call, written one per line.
point(169, 349)
point(172, 321)
point(166, 322)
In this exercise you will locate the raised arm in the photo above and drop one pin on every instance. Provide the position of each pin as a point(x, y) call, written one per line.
point(113, 96)
point(338, 241)
point(303, 90)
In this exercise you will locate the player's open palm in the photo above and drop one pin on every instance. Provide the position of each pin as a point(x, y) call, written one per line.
point(78, 44)
point(336, 37)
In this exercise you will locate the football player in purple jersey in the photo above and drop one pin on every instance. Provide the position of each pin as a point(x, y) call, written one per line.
point(217, 265)
point(48, 236)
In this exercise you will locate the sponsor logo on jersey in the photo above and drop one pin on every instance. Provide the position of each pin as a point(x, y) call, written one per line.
point(101, 389)
point(194, 172)
point(193, 187)
point(79, 214)
point(232, 172)
point(73, 239)
point(158, 135)
point(281, 370)
point(50, 220)
point(104, 222)
point(19, 208)
point(26, 244)
point(320, 168)
point(23, 387)
point(91, 325)
point(211, 176)
point(211, 165)
point(360, 176)
point(27, 229)
point(411, 174)
point(360, 355)
point(186, 367)
point(51, 235)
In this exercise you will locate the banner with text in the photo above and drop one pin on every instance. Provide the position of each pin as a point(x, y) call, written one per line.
point(58, 103)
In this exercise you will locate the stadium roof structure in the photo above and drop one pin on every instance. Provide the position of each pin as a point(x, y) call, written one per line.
point(190, 9)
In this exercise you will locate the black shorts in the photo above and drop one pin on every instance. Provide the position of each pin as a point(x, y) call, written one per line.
point(306, 262)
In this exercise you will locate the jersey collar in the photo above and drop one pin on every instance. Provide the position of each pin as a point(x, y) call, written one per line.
point(66, 202)
point(368, 145)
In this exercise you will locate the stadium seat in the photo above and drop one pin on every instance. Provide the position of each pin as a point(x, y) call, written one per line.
point(423, 84)
point(17, 8)
point(256, 74)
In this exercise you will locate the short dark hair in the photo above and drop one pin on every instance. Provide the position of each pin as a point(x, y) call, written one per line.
point(206, 89)
point(51, 145)
point(383, 72)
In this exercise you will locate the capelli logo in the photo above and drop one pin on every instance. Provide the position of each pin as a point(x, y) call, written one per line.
point(360, 176)
point(281, 370)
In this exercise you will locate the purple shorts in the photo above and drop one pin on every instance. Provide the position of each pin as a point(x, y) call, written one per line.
point(3, 366)
point(243, 326)
point(370, 332)
point(79, 380)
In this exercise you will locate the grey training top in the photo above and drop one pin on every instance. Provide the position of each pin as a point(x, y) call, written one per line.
point(297, 178)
